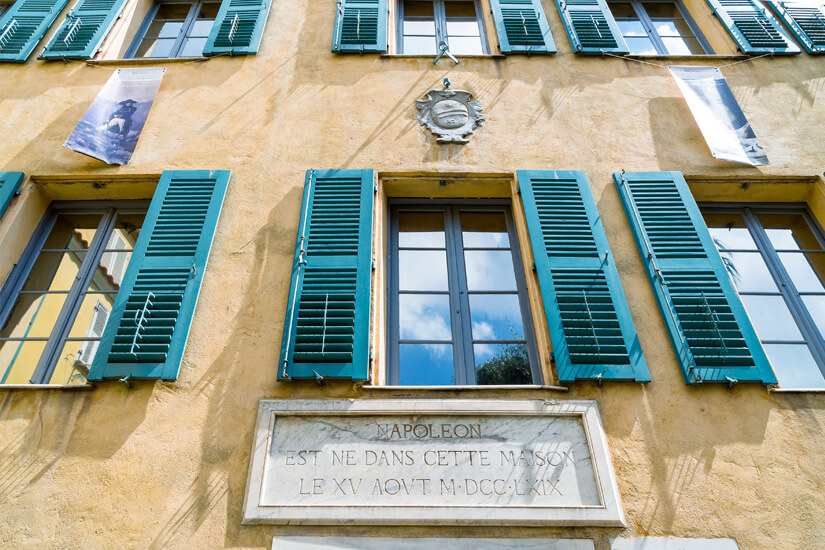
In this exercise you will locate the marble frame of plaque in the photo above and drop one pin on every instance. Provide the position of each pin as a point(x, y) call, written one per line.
point(313, 463)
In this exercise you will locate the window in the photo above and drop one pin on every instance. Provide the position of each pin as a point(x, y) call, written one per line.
point(53, 314)
point(424, 25)
point(175, 29)
point(776, 260)
point(4, 7)
point(458, 307)
point(662, 28)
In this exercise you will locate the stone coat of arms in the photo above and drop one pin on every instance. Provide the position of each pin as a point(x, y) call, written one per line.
point(451, 115)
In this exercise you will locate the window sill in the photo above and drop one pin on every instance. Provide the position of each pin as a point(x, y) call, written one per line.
point(75, 387)
point(432, 56)
point(466, 388)
point(796, 390)
point(145, 60)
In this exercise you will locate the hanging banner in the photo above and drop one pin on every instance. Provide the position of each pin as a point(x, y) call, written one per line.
point(723, 124)
point(110, 129)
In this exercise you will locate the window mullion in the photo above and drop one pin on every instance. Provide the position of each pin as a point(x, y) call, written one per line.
point(641, 13)
point(440, 16)
point(186, 29)
point(459, 301)
point(48, 359)
point(797, 307)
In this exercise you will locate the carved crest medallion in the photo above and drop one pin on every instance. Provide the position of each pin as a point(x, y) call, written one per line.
point(451, 115)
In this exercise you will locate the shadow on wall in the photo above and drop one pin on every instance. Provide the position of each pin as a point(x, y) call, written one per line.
point(235, 382)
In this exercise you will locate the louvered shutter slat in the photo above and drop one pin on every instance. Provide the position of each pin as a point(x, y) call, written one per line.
point(326, 330)
point(711, 334)
point(591, 329)
point(23, 26)
point(149, 324)
point(238, 28)
point(360, 26)
point(752, 27)
point(806, 21)
point(591, 27)
point(9, 184)
point(522, 27)
point(82, 32)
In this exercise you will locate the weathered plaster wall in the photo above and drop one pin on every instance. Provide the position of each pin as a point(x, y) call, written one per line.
point(164, 465)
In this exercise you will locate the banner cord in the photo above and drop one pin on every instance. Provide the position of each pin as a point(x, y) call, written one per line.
point(637, 60)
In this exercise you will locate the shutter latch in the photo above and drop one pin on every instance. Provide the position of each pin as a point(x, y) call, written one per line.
point(318, 378)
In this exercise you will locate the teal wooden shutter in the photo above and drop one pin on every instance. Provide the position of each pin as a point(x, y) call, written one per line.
point(9, 184)
point(752, 27)
point(360, 26)
point(326, 330)
point(591, 328)
point(590, 27)
point(82, 32)
point(149, 324)
point(238, 27)
point(711, 334)
point(24, 25)
point(522, 27)
point(806, 21)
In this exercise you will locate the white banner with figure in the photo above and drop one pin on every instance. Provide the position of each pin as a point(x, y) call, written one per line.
point(110, 128)
point(723, 124)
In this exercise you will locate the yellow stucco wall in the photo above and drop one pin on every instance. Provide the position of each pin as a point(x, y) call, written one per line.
point(165, 464)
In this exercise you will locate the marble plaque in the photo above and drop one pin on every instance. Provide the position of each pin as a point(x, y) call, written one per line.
point(460, 462)
point(384, 543)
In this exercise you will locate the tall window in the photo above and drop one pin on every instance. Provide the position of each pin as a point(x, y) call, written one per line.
point(658, 27)
point(776, 260)
point(458, 308)
point(53, 309)
point(175, 29)
point(424, 24)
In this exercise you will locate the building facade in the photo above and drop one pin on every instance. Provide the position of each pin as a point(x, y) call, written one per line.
point(578, 253)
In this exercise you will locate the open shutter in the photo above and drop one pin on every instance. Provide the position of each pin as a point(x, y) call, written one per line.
point(591, 329)
point(522, 27)
point(82, 32)
point(238, 27)
point(590, 27)
point(149, 324)
point(806, 21)
point(360, 26)
point(711, 334)
point(9, 184)
point(752, 27)
point(326, 331)
point(24, 25)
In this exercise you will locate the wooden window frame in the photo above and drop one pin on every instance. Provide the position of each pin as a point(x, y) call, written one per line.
point(440, 18)
point(191, 17)
point(653, 35)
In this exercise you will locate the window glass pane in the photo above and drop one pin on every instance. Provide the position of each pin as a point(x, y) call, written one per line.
point(484, 230)
point(502, 364)
point(748, 271)
point(422, 270)
point(33, 316)
point(92, 316)
point(193, 47)
point(771, 318)
point(465, 45)
point(426, 365)
point(496, 317)
point(74, 231)
point(55, 270)
point(789, 232)
point(419, 27)
point(155, 48)
point(728, 231)
point(489, 270)
point(632, 28)
point(209, 10)
point(816, 307)
point(662, 9)
point(460, 9)
point(794, 366)
point(622, 10)
point(164, 29)
point(800, 267)
point(463, 28)
point(168, 10)
point(18, 361)
point(424, 317)
point(418, 9)
point(640, 46)
point(201, 28)
point(416, 45)
point(421, 229)
point(682, 46)
point(70, 367)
